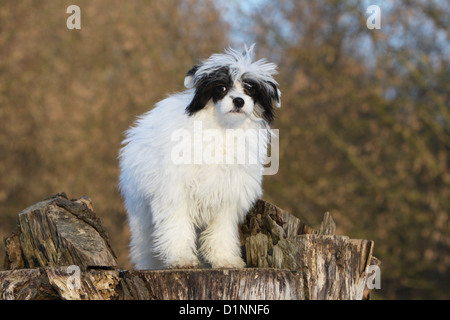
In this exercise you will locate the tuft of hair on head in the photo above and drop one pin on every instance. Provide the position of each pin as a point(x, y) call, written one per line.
point(238, 63)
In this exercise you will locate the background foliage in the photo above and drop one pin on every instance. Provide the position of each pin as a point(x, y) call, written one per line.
point(364, 124)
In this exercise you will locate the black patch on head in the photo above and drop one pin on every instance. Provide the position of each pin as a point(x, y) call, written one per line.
point(214, 85)
point(263, 96)
point(192, 71)
point(274, 93)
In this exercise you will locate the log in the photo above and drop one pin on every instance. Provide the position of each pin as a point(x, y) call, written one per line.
point(61, 251)
point(58, 283)
point(212, 284)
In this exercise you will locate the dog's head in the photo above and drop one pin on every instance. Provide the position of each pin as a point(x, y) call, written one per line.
point(237, 86)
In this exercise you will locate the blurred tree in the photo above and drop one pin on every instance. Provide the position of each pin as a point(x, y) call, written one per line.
point(66, 96)
point(365, 129)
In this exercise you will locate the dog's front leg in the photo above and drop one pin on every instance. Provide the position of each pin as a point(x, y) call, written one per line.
point(220, 243)
point(175, 239)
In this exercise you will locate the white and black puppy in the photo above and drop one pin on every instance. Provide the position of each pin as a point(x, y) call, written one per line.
point(184, 212)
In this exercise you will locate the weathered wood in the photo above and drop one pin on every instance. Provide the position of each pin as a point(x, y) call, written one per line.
point(25, 284)
point(212, 284)
point(56, 232)
point(88, 285)
point(58, 283)
point(327, 227)
point(333, 267)
point(286, 259)
point(184, 284)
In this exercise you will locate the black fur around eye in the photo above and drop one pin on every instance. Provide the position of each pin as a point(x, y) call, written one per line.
point(249, 89)
point(262, 95)
point(221, 89)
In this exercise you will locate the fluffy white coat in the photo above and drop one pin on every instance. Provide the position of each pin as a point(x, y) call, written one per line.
point(187, 214)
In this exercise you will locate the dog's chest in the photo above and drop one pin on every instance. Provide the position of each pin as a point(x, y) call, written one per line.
point(221, 182)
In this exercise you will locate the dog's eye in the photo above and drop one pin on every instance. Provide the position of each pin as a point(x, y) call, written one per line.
point(249, 88)
point(221, 89)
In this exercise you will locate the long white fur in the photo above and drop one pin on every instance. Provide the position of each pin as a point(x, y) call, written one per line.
point(168, 204)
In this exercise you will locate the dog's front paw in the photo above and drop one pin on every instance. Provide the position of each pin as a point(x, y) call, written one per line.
point(235, 262)
point(190, 263)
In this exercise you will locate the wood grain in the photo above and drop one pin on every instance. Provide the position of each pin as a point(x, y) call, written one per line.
point(61, 251)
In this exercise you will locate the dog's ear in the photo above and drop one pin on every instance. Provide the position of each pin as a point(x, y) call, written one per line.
point(199, 101)
point(189, 81)
point(276, 95)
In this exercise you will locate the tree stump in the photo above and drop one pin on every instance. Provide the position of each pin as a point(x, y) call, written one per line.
point(59, 232)
point(331, 266)
point(60, 251)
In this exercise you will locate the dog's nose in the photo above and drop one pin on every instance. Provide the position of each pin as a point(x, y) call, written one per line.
point(238, 102)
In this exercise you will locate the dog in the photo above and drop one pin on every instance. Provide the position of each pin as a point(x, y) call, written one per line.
point(184, 207)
